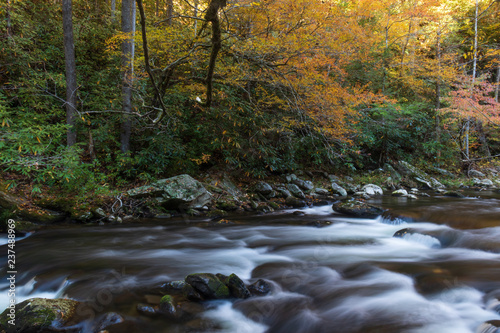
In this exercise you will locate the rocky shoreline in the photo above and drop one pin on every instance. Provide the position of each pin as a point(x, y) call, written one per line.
point(217, 196)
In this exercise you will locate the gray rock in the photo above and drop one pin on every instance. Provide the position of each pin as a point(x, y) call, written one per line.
point(208, 285)
point(337, 189)
point(357, 208)
point(295, 202)
point(42, 315)
point(100, 213)
point(444, 172)
point(263, 188)
point(436, 184)
point(321, 191)
point(400, 193)
point(411, 196)
point(410, 170)
point(260, 288)
point(475, 173)
point(483, 182)
point(290, 178)
point(453, 194)
point(295, 191)
point(424, 183)
point(179, 192)
point(236, 285)
point(333, 178)
point(283, 192)
point(372, 189)
point(305, 185)
point(230, 187)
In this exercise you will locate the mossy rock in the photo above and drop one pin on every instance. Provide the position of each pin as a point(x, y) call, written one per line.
point(227, 205)
point(208, 285)
point(41, 315)
point(357, 208)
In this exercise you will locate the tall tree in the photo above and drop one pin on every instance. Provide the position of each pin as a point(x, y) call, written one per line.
point(128, 50)
point(212, 16)
point(70, 64)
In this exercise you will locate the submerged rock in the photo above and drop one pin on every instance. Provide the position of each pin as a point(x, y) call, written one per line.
point(260, 288)
point(236, 285)
point(357, 208)
point(491, 326)
point(453, 194)
point(208, 285)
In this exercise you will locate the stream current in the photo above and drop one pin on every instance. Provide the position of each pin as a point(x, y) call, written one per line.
point(349, 275)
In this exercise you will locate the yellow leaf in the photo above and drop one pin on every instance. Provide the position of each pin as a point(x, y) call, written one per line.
point(224, 132)
point(19, 148)
point(38, 140)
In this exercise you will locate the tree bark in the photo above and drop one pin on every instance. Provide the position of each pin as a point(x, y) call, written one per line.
point(70, 64)
point(128, 27)
point(158, 94)
point(212, 16)
point(498, 83)
point(113, 9)
point(170, 11)
point(7, 14)
point(438, 93)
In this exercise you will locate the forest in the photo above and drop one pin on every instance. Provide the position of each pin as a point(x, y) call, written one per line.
point(108, 93)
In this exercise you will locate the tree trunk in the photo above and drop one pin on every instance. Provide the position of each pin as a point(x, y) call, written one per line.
point(7, 14)
point(438, 93)
point(69, 57)
point(170, 11)
point(212, 15)
point(128, 27)
point(113, 9)
point(498, 84)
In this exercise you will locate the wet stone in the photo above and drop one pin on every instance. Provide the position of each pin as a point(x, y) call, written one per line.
point(260, 288)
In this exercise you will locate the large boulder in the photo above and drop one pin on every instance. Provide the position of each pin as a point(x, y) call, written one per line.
point(179, 192)
point(42, 315)
point(305, 185)
point(263, 188)
point(23, 208)
point(357, 208)
point(372, 189)
point(295, 191)
point(338, 190)
point(419, 176)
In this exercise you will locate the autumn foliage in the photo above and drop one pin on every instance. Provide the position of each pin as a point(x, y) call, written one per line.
point(257, 86)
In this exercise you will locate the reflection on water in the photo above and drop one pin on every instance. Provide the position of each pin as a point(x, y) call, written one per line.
point(349, 276)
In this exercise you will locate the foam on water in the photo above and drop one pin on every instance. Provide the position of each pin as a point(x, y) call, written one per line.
point(232, 321)
point(26, 291)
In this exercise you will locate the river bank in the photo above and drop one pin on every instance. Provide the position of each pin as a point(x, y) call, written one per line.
point(215, 195)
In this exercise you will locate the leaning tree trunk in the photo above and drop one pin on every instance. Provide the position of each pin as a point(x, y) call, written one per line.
point(128, 27)
point(69, 57)
point(212, 16)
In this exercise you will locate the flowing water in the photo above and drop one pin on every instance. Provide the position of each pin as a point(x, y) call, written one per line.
point(329, 273)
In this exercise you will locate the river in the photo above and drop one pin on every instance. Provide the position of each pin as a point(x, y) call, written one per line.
point(329, 273)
